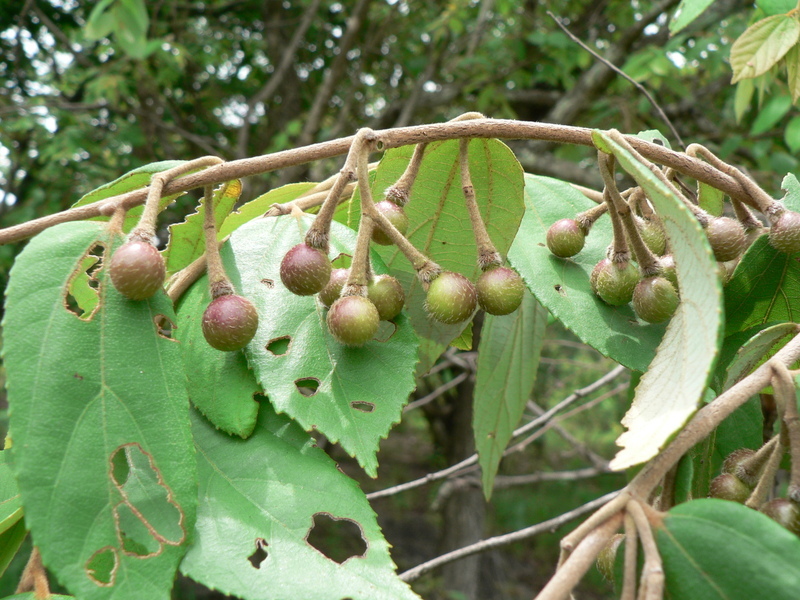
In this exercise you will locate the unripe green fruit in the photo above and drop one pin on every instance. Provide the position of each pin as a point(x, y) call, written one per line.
point(230, 322)
point(396, 216)
point(500, 290)
point(451, 298)
point(729, 487)
point(727, 238)
point(608, 556)
point(386, 293)
point(784, 235)
point(652, 235)
point(353, 320)
point(565, 238)
point(137, 270)
point(333, 289)
point(654, 299)
point(615, 282)
point(667, 270)
point(305, 270)
point(784, 512)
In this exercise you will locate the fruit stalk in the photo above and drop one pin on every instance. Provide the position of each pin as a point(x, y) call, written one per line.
point(400, 191)
point(783, 384)
point(488, 255)
point(218, 280)
point(360, 270)
point(587, 218)
point(766, 480)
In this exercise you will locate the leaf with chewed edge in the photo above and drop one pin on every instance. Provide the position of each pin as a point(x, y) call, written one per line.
point(672, 387)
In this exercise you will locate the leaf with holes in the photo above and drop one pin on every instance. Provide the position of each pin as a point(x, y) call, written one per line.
point(99, 412)
point(259, 499)
point(720, 550)
point(258, 206)
point(765, 288)
point(562, 285)
point(508, 355)
point(671, 389)
point(343, 392)
point(222, 386)
point(130, 181)
point(187, 239)
point(439, 225)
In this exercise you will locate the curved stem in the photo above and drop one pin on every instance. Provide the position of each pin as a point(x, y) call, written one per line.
point(390, 138)
point(488, 256)
point(400, 191)
point(218, 281)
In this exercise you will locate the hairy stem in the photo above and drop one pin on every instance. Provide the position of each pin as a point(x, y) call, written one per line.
point(783, 384)
point(400, 191)
point(631, 559)
point(218, 281)
point(488, 256)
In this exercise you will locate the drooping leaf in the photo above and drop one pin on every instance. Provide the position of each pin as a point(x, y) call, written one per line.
point(221, 385)
point(670, 390)
point(720, 550)
point(187, 239)
point(770, 114)
point(744, 94)
point(791, 135)
point(265, 493)
point(10, 542)
point(87, 395)
point(562, 285)
point(338, 390)
point(258, 206)
point(792, 60)
point(765, 288)
point(762, 45)
point(508, 355)
point(687, 12)
point(132, 180)
point(439, 224)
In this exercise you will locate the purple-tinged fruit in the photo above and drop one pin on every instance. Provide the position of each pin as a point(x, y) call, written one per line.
point(353, 320)
point(230, 322)
point(451, 298)
point(655, 299)
point(500, 290)
point(386, 293)
point(137, 270)
point(305, 270)
point(333, 289)
point(396, 216)
point(565, 238)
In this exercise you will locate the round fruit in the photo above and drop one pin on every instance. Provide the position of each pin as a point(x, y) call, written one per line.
point(565, 238)
point(353, 320)
point(396, 216)
point(733, 461)
point(667, 269)
point(333, 289)
point(614, 282)
point(451, 298)
point(305, 270)
point(652, 235)
point(137, 270)
point(654, 299)
point(785, 512)
point(386, 293)
point(784, 235)
point(500, 290)
point(729, 487)
point(230, 322)
point(727, 238)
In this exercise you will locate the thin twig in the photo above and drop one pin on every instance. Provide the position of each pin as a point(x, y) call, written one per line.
point(503, 540)
point(436, 393)
point(622, 74)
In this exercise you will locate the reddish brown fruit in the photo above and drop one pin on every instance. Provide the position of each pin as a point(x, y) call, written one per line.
point(230, 322)
point(333, 289)
point(784, 235)
point(137, 270)
point(305, 270)
point(565, 238)
point(396, 217)
point(784, 512)
point(353, 320)
point(727, 238)
point(729, 487)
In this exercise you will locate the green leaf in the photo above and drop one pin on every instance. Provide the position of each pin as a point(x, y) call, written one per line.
point(258, 206)
point(132, 180)
point(719, 550)
point(266, 492)
point(10, 505)
point(791, 135)
point(765, 288)
point(221, 385)
point(792, 60)
point(100, 22)
point(340, 391)
point(776, 7)
point(187, 239)
point(508, 355)
point(757, 350)
point(744, 94)
point(762, 45)
point(32, 596)
point(772, 112)
point(671, 388)
point(710, 199)
point(654, 136)
point(439, 224)
point(562, 286)
point(100, 419)
point(791, 186)
point(10, 542)
point(687, 11)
